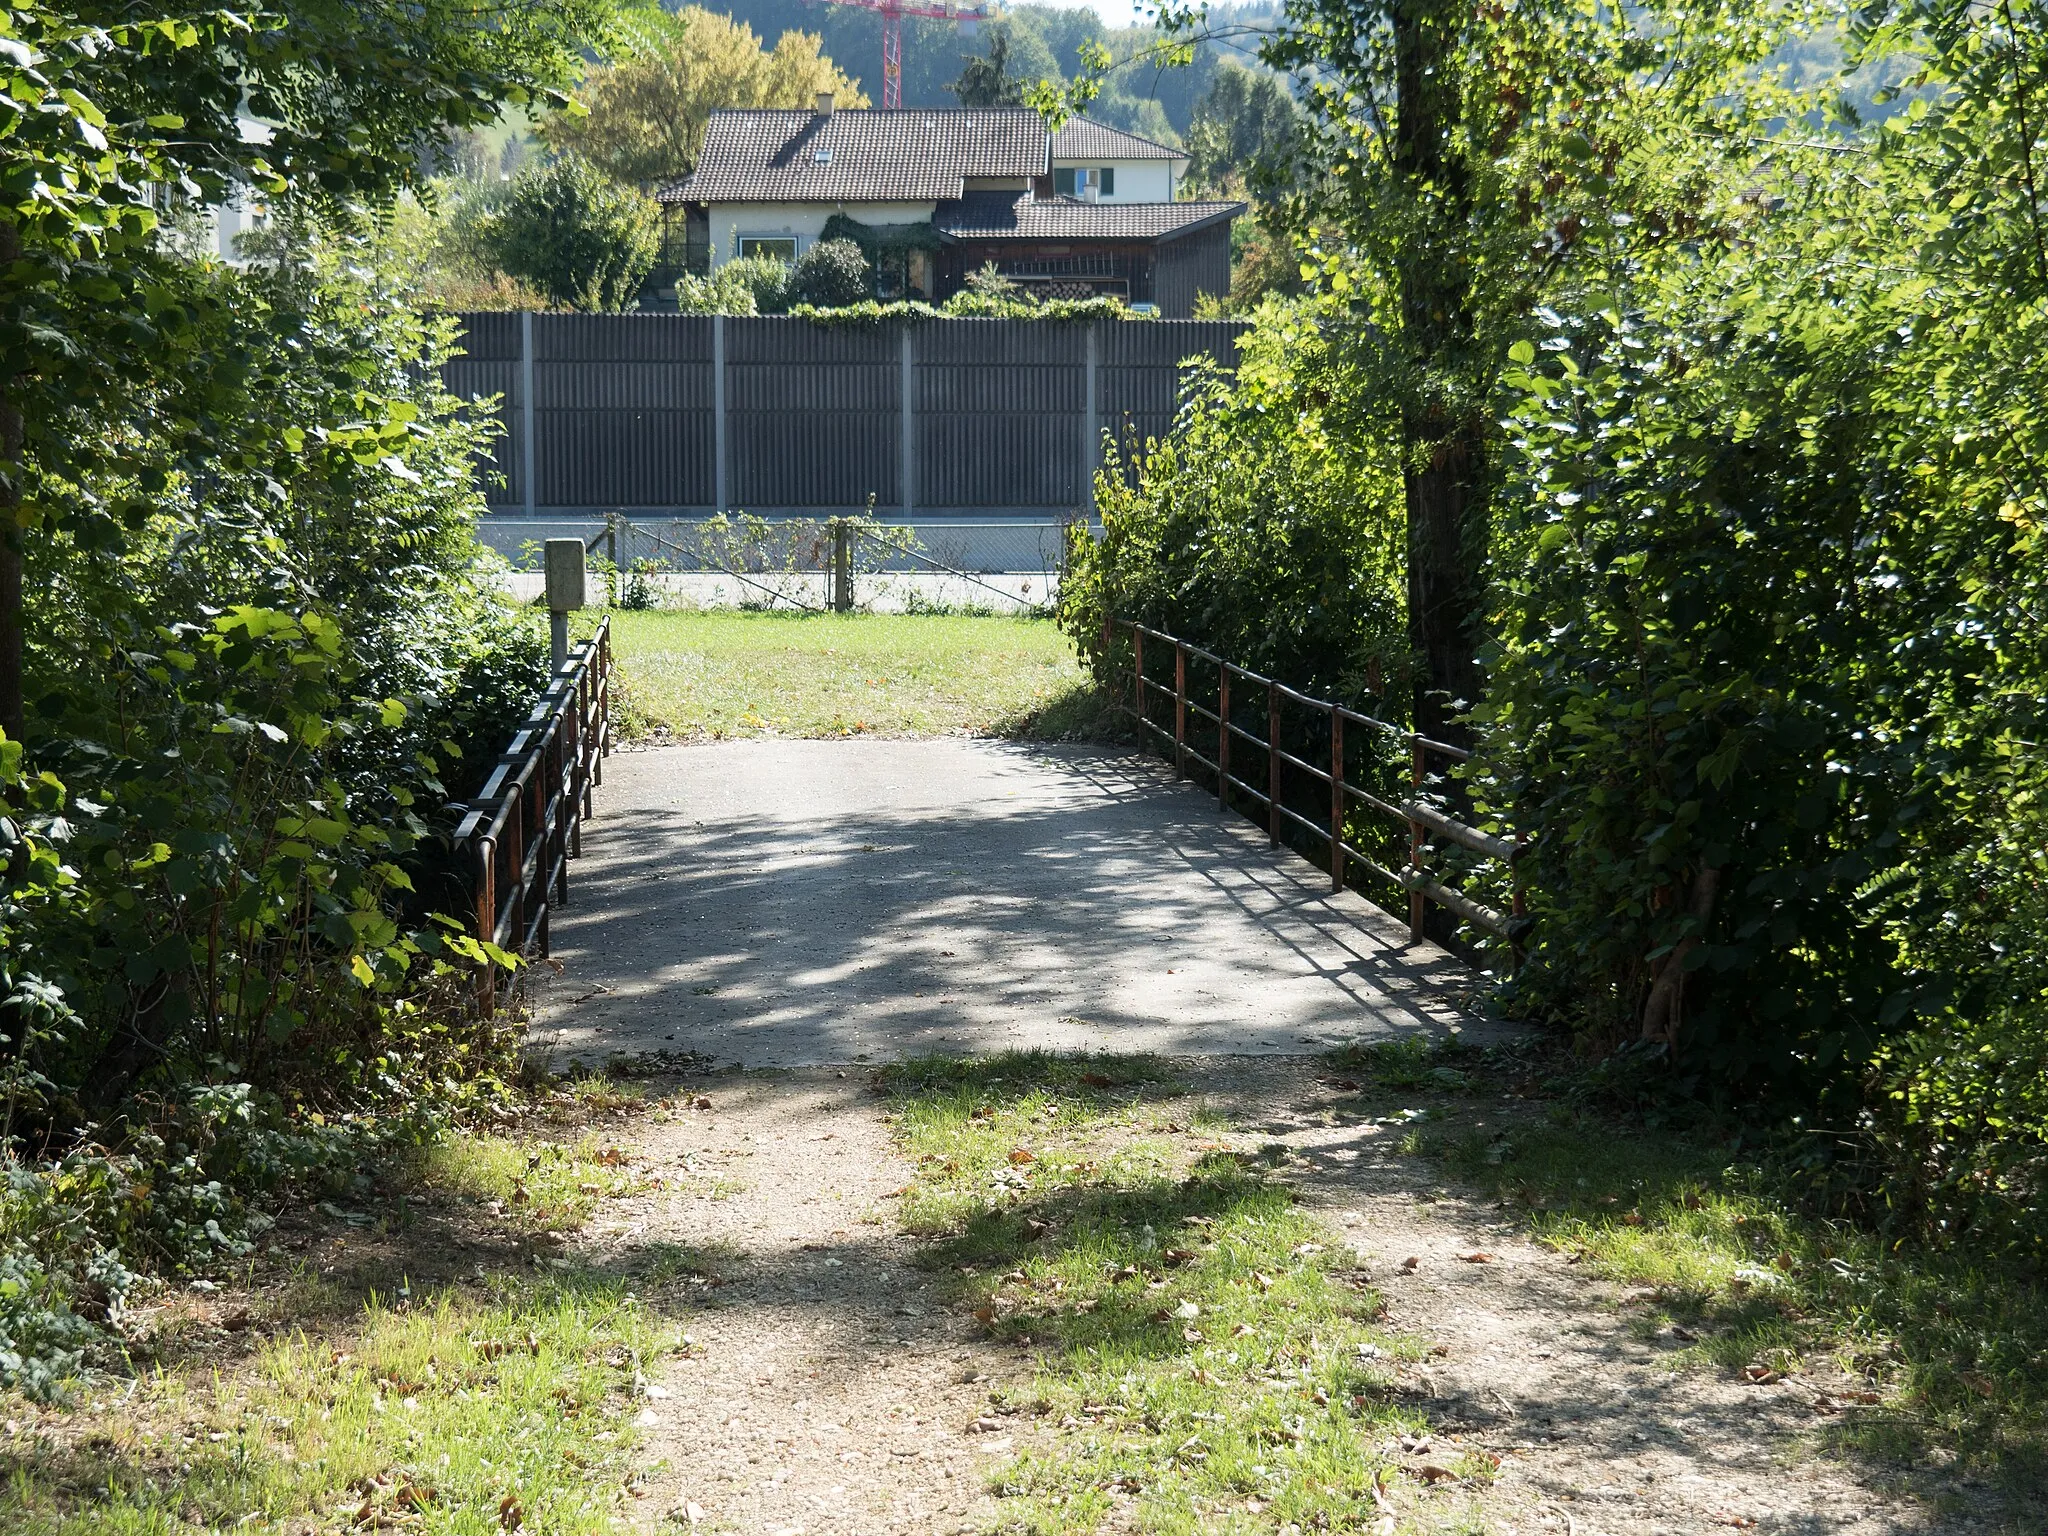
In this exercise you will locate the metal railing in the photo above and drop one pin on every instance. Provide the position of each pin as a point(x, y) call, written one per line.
point(1426, 825)
point(526, 823)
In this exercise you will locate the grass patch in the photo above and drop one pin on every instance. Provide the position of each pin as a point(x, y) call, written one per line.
point(1205, 1343)
point(454, 1416)
point(550, 1185)
point(1940, 1352)
point(721, 675)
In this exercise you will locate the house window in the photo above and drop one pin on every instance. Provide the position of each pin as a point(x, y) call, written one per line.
point(1075, 180)
point(781, 247)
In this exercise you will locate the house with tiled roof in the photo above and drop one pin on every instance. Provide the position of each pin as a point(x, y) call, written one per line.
point(933, 196)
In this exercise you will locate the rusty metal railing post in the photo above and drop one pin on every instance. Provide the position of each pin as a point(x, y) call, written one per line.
point(487, 918)
point(1223, 735)
point(1180, 710)
point(1138, 702)
point(515, 865)
point(1336, 799)
point(1273, 764)
point(1418, 771)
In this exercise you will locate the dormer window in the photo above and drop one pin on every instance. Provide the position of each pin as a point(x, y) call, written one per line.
point(1084, 181)
point(821, 155)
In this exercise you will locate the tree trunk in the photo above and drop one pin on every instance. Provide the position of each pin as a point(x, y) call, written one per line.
point(1444, 435)
point(11, 436)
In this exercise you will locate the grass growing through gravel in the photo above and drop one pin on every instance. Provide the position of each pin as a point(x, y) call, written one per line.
point(553, 1185)
point(1943, 1351)
point(465, 1416)
point(1204, 1342)
point(718, 675)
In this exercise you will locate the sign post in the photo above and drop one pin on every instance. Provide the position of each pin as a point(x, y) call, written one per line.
point(563, 561)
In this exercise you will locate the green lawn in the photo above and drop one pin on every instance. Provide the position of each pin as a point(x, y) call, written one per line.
point(717, 675)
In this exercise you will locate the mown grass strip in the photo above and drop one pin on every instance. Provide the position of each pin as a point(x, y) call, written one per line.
point(1215, 1363)
point(720, 675)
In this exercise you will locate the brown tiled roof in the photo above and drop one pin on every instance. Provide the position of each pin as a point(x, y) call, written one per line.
point(1083, 139)
point(858, 156)
point(1004, 216)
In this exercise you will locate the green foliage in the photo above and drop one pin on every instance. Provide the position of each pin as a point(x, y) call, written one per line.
point(752, 285)
point(1260, 528)
point(253, 633)
point(1246, 120)
point(576, 235)
point(830, 275)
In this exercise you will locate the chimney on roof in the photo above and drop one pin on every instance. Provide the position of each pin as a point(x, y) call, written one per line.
point(824, 103)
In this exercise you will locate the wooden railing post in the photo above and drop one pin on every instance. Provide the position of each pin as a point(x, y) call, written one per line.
point(1418, 771)
point(1223, 735)
point(1336, 799)
point(1273, 764)
point(1180, 710)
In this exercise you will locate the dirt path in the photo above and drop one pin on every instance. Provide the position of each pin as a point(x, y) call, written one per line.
point(830, 1389)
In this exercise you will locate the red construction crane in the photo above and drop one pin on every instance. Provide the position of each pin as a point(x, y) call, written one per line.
point(892, 13)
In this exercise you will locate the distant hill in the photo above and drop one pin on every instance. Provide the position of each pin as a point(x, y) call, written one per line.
point(1044, 41)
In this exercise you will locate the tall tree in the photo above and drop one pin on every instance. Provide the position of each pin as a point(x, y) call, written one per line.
point(1478, 162)
point(644, 114)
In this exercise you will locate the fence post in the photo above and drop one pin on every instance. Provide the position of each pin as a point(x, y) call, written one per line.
point(1180, 710)
point(1273, 764)
point(1223, 737)
point(718, 474)
point(611, 554)
point(515, 865)
point(526, 410)
point(1519, 908)
point(842, 561)
point(1336, 799)
point(1418, 771)
point(909, 369)
point(1090, 416)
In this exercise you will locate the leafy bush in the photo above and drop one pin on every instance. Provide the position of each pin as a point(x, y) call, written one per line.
point(1256, 529)
point(214, 912)
point(830, 274)
point(580, 238)
point(751, 285)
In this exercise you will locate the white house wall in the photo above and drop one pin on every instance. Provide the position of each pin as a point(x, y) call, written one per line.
point(805, 222)
point(1137, 181)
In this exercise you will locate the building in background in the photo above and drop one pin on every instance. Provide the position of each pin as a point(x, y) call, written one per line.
point(934, 196)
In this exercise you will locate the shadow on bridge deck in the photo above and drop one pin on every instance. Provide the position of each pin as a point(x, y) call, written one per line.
point(784, 903)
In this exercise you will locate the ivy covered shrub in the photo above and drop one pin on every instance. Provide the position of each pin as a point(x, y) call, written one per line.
point(830, 275)
point(1768, 684)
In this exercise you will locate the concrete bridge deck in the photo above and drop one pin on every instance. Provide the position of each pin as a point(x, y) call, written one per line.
point(793, 903)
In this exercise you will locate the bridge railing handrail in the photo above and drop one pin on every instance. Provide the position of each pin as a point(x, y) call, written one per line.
point(1423, 823)
point(522, 828)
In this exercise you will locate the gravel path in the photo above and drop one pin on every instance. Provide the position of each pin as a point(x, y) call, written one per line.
point(830, 1391)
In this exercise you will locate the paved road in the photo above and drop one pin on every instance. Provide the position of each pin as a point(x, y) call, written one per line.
point(796, 903)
